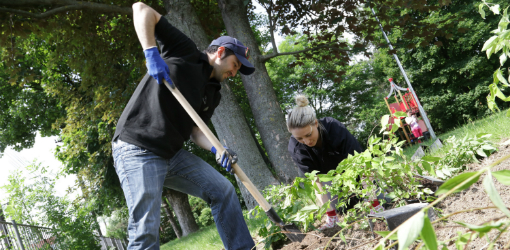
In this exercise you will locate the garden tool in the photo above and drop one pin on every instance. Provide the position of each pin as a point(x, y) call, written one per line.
point(396, 216)
point(290, 230)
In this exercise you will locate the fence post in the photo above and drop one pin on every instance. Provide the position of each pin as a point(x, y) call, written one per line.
point(20, 242)
point(5, 232)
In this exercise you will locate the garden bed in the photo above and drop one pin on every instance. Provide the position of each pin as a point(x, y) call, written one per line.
point(472, 198)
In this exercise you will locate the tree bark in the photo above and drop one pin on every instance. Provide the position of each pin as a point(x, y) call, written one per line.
point(269, 117)
point(228, 119)
point(59, 6)
point(171, 218)
point(182, 209)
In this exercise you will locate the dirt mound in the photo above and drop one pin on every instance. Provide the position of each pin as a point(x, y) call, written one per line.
point(330, 238)
point(472, 198)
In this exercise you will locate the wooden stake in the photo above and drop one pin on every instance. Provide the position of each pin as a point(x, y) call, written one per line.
point(386, 100)
point(401, 98)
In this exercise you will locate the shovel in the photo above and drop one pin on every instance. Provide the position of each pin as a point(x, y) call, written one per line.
point(290, 230)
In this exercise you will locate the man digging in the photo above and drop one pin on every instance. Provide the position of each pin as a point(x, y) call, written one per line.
point(147, 145)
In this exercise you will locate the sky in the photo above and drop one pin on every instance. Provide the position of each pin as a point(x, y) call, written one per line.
point(279, 39)
point(42, 152)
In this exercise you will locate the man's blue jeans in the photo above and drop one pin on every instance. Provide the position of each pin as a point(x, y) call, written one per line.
point(143, 174)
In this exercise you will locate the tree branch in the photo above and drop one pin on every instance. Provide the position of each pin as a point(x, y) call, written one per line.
point(272, 25)
point(73, 5)
point(269, 56)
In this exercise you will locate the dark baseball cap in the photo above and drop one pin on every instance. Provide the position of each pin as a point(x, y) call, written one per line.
point(242, 52)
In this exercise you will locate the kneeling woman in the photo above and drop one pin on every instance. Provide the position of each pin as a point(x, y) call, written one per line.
point(319, 145)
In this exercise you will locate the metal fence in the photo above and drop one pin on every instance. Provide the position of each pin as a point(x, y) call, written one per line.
point(15, 236)
point(108, 243)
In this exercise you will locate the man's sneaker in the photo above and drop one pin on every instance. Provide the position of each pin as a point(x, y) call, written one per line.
point(331, 221)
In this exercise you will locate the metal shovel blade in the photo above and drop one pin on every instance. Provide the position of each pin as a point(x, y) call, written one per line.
point(395, 217)
point(290, 230)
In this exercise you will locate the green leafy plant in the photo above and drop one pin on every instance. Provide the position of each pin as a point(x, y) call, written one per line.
point(294, 203)
point(354, 177)
point(206, 217)
point(407, 232)
point(34, 201)
point(461, 152)
point(117, 224)
point(500, 42)
point(383, 168)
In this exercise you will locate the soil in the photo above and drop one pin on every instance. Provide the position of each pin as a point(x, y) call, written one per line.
point(474, 197)
point(427, 184)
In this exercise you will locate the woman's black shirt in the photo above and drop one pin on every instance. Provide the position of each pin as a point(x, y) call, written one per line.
point(337, 144)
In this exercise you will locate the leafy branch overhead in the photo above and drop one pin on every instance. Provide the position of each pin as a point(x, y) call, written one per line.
point(326, 21)
point(500, 42)
point(48, 8)
point(323, 22)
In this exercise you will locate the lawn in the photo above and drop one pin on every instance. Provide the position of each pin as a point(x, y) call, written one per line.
point(206, 238)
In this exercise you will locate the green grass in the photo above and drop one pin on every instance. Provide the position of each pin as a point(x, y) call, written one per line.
point(498, 125)
point(206, 238)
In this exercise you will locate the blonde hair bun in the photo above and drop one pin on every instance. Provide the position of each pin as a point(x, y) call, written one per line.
point(301, 100)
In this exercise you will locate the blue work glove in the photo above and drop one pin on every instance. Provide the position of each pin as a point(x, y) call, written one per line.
point(225, 159)
point(157, 66)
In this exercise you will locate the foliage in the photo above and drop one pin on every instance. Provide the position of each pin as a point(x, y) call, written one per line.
point(364, 175)
point(460, 153)
point(33, 201)
point(419, 223)
point(117, 224)
point(451, 79)
point(25, 107)
point(381, 169)
point(167, 232)
point(71, 74)
point(206, 217)
point(201, 211)
point(356, 101)
point(500, 42)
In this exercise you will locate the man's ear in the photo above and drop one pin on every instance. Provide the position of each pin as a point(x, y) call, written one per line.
point(220, 51)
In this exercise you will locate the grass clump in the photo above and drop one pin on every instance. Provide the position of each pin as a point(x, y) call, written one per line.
point(206, 238)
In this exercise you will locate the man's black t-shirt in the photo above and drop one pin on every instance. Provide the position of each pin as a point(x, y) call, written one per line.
point(337, 144)
point(153, 119)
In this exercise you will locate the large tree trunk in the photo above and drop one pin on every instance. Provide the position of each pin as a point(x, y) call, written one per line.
point(269, 117)
point(171, 217)
point(228, 118)
point(182, 209)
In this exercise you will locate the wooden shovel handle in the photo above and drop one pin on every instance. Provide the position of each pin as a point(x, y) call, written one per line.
point(216, 143)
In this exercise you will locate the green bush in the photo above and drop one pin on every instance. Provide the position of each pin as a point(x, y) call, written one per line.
point(460, 152)
point(382, 168)
point(117, 224)
point(206, 217)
